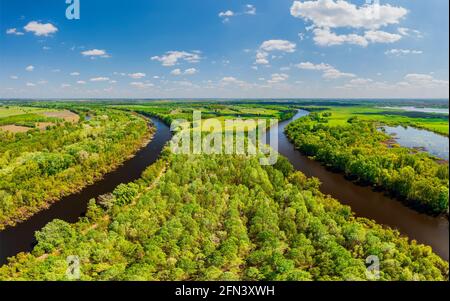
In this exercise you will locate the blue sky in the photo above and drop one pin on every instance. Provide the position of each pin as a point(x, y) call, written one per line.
point(225, 48)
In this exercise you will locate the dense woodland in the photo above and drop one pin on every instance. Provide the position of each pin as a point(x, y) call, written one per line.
point(361, 151)
point(40, 166)
point(222, 218)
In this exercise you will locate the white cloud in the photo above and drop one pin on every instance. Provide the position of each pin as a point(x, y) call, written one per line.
point(377, 36)
point(361, 81)
point(277, 78)
point(324, 37)
point(75, 73)
point(46, 48)
point(99, 79)
point(95, 53)
point(30, 85)
point(328, 14)
point(272, 45)
point(141, 85)
point(329, 72)
point(81, 82)
point(40, 29)
point(171, 58)
point(137, 75)
point(29, 68)
point(336, 74)
point(311, 66)
point(65, 85)
point(42, 82)
point(226, 14)
point(404, 31)
point(14, 32)
point(399, 52)
point(190, 71)
point(231, 80)
point(250, 9)
point(340, 13)
point(14, 77)
point(176, 72)
point(425, 80)
point(277, 45)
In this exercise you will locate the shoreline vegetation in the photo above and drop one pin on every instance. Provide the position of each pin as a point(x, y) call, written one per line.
point(360, 151)
point(67, 167)
point(222, 217)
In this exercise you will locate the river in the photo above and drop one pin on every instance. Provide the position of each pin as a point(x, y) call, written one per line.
point(365, 202)
point(20, 238)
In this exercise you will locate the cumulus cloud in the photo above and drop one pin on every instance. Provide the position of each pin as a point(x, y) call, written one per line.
point(171, 58)
point(137, 75)
point(141, 85)
point(277, 78)
point(268, 46)
point(378, 36)
point(176, 72)
point(75, 73)
point(404, 31)
point(95, 53)
point(231, 80)
point(40, 29)
point(399, 52)
point(250, 9)
point(30, 85)
point(14, 31)
point(14, 77)
point(326, 15)
point(361, 81)
point(340, 13)
point(425, 80)
point(324, 37)
point(189, 71)
point(81, 82)
point(29, 68)
point(328, 71)
point(99, 79)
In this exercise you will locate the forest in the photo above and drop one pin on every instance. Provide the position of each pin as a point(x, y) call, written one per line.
point(224, 217)
point(360, 150)
point(39, 166)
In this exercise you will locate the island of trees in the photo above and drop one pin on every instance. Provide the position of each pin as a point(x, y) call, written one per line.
point(362, 152)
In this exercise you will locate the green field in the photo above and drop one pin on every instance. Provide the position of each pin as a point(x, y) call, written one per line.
point(437, 123)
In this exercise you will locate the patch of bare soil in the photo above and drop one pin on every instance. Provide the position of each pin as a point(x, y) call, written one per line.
point(15, 128)
point(43, 125)
point(66, 115)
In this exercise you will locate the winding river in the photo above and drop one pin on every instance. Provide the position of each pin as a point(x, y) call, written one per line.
point(20, 238)
point(365, 202)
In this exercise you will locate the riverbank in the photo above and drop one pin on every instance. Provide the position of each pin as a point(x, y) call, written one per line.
point(368, 203)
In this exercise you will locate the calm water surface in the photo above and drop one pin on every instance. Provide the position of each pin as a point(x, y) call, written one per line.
point(436, 145)
point(432, 231)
